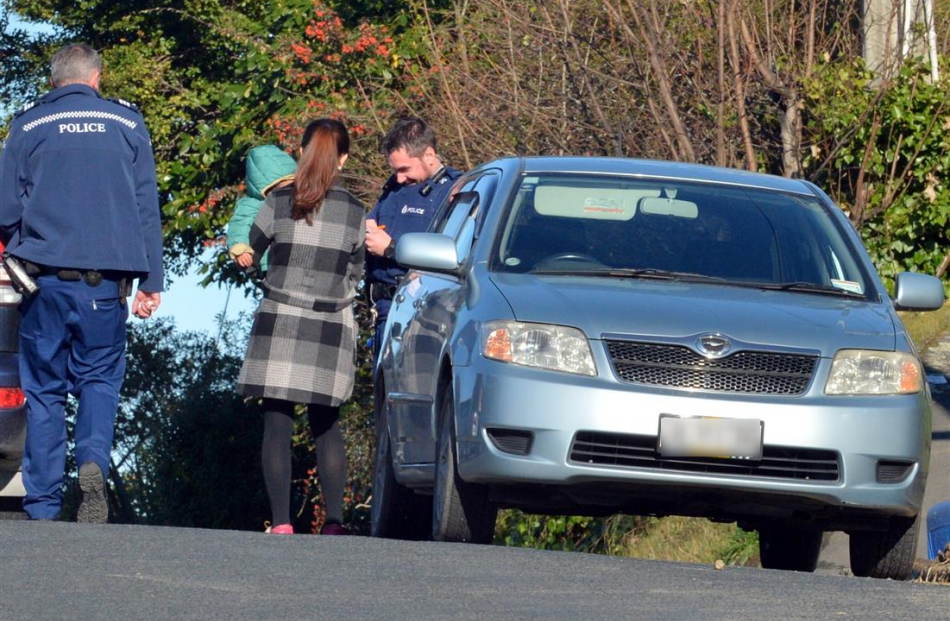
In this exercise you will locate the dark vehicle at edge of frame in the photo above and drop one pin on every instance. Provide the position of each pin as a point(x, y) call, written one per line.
point(12, 405)
point(591, 336)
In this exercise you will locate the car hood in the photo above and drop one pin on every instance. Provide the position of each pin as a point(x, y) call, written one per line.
point(601, 306)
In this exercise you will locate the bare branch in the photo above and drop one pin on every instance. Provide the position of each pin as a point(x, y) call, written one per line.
point(739, 87)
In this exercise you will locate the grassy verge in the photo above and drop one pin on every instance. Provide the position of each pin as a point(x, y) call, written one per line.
point(693, 540)
point(926, 328)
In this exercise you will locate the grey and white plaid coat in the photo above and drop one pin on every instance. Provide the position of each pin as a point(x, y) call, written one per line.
point(303, 341)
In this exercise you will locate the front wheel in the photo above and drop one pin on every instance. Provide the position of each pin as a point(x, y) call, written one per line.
point(11, 508)
point(792, 549)
point(886, 554)
point(461, 511)
point(396, 512)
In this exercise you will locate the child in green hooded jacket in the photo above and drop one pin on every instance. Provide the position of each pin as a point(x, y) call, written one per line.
point(267, 166)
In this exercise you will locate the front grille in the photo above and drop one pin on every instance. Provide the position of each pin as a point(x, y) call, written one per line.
point(639, 451)
point(677, 366)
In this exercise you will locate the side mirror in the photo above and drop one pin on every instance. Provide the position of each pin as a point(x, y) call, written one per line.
point(917, 292)
point(427, 251)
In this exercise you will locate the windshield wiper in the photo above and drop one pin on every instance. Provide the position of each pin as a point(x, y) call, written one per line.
point(809, 287)
point(645, 273)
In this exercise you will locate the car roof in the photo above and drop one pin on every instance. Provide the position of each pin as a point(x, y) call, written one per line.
point(653, 169)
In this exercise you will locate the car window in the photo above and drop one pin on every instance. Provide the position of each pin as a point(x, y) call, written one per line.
point(737, 234)
point(460, 208)
point(487, 184)
point(445, 210)
point(463, 242)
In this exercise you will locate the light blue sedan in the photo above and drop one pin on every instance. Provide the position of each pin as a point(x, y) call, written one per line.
point(592, 336)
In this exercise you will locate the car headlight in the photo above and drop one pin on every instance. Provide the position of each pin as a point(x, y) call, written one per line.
point(557, 348)
point(863, 372)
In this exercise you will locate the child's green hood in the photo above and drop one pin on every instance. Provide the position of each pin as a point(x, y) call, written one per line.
point(265, 165)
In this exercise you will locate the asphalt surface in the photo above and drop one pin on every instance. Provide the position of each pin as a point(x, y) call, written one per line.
point(53, 571)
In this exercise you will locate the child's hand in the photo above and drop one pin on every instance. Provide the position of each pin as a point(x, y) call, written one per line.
point(245, 260)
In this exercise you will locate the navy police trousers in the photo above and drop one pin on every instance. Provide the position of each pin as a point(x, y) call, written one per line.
point(72, 341)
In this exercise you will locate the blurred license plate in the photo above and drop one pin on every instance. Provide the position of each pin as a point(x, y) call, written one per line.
point(710, 437)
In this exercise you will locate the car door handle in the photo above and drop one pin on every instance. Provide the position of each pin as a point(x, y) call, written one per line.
point(396, 332)
point(400, 299)
point(418, 304)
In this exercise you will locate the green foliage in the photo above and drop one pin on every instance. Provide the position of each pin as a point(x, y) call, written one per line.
point(19, 53)
point(671, 538)
point(215, 77)
point(567, 533)
point(740, 548)
point(883, 153)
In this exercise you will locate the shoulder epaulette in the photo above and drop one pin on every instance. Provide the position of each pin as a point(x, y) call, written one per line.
point(125, 103)
point(389, 185)
point(25, 108)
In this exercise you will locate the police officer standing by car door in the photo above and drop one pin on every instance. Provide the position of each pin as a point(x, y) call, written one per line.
point(419, 184)
point(79, 214)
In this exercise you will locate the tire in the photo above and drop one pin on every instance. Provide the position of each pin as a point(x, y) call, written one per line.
point(886, 554)
point(396, 512)
point(791, 549)
point(461, 512)
point(11, 508)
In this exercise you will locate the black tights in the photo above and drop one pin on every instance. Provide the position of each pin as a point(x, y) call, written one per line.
point(275, 456)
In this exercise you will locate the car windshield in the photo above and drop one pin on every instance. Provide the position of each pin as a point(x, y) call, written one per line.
point(640, 228)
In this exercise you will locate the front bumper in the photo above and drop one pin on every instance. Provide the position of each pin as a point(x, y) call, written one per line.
point(554, 407)
point(11, 484)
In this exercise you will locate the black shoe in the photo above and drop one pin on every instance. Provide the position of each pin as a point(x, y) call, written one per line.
point(333, 528)
point(94, 508)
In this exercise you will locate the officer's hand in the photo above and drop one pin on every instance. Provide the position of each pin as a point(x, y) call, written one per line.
point(245, 260)
point(145, 303)
point(377, 239)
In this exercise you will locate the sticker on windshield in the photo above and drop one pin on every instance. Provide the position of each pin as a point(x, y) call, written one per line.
point(605, 205)
point(848, 285)
point(589, 203)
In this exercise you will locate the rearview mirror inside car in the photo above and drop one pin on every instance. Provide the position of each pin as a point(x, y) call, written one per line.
point(668, 207)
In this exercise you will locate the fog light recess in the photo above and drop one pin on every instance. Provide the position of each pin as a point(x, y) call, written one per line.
point(512, 441)
point(893, 471)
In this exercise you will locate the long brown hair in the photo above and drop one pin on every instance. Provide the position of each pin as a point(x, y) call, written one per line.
point(324, 142)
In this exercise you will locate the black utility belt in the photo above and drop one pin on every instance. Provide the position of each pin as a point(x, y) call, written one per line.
point(381, 291)
point(92, 277)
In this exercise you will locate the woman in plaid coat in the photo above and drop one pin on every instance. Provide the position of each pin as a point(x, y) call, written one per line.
point(303, 342)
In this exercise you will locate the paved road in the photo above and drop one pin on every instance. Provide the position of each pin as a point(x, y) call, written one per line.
point(834, 554)
point(60, 571)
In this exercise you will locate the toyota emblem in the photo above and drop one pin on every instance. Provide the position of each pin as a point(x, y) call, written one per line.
point(713, 345)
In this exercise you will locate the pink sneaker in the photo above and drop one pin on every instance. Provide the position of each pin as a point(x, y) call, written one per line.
point(280, 529)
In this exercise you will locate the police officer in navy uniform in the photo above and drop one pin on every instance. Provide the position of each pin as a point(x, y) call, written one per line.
point(79, 209)
point(419, 184)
